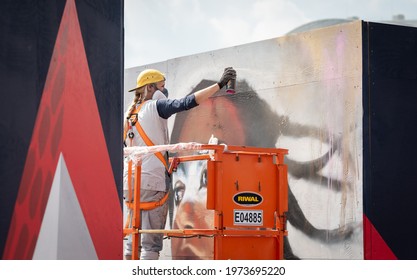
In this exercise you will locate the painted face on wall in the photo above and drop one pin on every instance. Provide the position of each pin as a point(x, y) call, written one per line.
point(244, 119)
point(190, 179)
point(190, 192)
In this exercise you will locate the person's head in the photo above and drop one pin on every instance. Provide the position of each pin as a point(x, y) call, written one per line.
point(147, 83)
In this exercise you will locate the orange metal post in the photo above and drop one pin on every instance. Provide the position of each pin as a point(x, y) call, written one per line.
point(136, 214)
point(282, 205)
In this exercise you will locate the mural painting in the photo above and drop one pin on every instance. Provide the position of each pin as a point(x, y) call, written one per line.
point(300, 92)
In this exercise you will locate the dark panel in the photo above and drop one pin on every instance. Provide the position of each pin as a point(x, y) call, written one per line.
point(390, 136)
point(101, 25)
point(27, 37)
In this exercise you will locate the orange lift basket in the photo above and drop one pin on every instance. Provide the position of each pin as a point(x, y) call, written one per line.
point(247, 188)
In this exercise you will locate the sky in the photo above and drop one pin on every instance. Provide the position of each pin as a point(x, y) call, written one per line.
point(157, 31)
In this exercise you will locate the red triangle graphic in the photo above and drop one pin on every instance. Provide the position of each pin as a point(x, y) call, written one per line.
point(375, 246)
point(68, 122)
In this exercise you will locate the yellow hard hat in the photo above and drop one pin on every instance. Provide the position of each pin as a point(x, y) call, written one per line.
point(148, 76)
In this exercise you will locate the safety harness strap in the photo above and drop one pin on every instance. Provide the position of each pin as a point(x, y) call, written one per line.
point(145, 138)
point(151, 204)
point(148, 142)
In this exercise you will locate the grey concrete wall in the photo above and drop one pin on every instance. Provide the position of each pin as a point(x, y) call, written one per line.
point(301, 92)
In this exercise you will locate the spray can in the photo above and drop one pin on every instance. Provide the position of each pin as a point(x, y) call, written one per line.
point(230, 86)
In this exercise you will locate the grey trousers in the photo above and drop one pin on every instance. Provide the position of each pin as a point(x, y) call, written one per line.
point(152, 219)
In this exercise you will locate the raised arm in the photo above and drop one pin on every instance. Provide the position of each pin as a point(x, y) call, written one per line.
point(203, 94)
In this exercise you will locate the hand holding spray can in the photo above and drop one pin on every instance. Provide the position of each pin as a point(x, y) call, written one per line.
point(230, 86)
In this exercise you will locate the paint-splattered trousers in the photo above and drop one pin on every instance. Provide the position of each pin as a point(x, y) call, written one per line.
point(151, 219)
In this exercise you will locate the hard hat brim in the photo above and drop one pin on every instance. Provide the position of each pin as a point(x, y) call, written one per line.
point(133, 89)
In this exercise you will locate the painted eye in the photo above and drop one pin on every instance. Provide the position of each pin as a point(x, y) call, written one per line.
point(203, 179)
point(179, 190)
